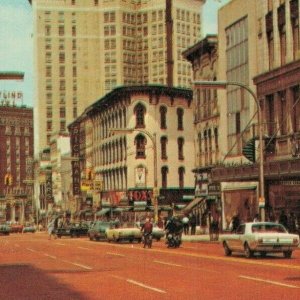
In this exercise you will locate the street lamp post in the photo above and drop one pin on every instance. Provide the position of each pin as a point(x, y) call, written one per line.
point(153, 140)
point(223, 85)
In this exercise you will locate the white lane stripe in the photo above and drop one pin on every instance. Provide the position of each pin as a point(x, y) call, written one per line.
point(31, 250)
point(61, 244)
point(84, 248)
point(269, 281)
point(117, 254)
point(146, 286)
point(166, 263)
point(82, 266)
point(51, 256)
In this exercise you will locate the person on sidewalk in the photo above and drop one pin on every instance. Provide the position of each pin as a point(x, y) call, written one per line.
point(186, 225)
point(193, 222)
point(50, 228)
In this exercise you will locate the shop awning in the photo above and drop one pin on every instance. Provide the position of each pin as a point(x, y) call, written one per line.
point(102, 212)
point(179, 206)
point(118, 209)
point(186, 198)
point(139, 208)
point(165, 208)
point(192, 204)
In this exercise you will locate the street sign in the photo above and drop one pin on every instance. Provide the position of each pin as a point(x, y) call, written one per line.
point(97, 185)
point(86, 185)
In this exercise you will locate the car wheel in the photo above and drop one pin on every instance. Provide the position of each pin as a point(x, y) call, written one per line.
point(248, 252)
point(263, 254)
point(115, 239)
point(131, 241)
point(158, 239)
point(287, 254)
point(91, 238)
point(227, 251)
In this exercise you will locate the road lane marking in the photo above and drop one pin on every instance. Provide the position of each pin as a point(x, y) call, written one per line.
point(146, 286)
point(31, 250)
point(269, 281)
point(61, 244)
point(116, 254)
point(190, 247)
point(84, 248)
point(51, 256)
point(166, 263)
point(82, 266)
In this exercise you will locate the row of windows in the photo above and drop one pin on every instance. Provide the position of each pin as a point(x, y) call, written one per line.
point(116, 179)
point(61, 30)
point(61, 45)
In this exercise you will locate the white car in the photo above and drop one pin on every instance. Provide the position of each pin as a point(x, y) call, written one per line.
point(261, 237)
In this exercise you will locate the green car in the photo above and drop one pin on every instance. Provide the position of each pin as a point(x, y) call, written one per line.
point(98, 230)
point(4, 229)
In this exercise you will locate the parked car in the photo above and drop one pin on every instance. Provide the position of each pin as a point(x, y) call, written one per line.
point(98, 230)
point(4, 229)
point(16, 228)
point(261, 237)
point(157, 233)
point(72, 230)
point(29, 228)
point(128, 232)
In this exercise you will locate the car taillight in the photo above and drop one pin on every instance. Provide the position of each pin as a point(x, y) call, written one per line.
point(295, 241)
point(260, 240)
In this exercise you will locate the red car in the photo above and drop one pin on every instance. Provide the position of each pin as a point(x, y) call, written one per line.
point(16, 228)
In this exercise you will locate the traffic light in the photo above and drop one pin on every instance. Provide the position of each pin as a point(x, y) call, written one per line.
point(249, 150)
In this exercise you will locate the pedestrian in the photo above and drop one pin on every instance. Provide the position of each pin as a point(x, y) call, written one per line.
point(50, 228)
point(292, 223)
point(186, 225)
point(235, 222)
point(193, 223)
point(283, 219)
point(256, 218)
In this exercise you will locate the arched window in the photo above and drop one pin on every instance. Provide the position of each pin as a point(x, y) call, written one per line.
point(163, 142)
point(179, 118)
point(180, 142)
point(164, 177)
point(140, 111)
point(181, 172)
point(163, 117)
point(140, 143)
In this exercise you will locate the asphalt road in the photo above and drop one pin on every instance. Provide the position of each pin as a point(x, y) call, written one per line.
point(33, 267)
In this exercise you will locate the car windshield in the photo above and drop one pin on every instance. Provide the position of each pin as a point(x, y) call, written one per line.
point(277, 228)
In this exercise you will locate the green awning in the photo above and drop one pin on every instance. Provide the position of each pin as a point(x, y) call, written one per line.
point(118, 209)
point(188, 197)
point(102, 212)
point(139, 208)
point(179, 206)
point(139, 203)
point(165, 208)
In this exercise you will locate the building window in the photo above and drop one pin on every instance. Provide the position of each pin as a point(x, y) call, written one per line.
point(282, 39)
point(270, 49)
point(179, 118)
point(62, 125)
point(163, 117)
point(180, 142)
point(61, 30)
point(62, 112)
point(181, 172)
point(164, 177)
point(140, 111)
point(140, 143)
point(163, 142)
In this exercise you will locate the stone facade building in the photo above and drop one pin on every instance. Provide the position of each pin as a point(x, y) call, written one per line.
point(266, 60)
point(157, 153)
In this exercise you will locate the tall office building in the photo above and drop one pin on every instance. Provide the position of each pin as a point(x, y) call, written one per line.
point(85, 48)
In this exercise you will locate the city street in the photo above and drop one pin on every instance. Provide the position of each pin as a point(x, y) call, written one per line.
point(33, 267)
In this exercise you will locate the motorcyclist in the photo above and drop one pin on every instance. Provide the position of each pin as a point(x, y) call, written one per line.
point(174, 227)
point(147, 229)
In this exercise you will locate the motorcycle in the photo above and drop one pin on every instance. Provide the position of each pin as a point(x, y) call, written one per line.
point(173, 240)
point(147, 239)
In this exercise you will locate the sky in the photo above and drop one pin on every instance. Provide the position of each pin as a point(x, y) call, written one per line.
point(16, 46)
